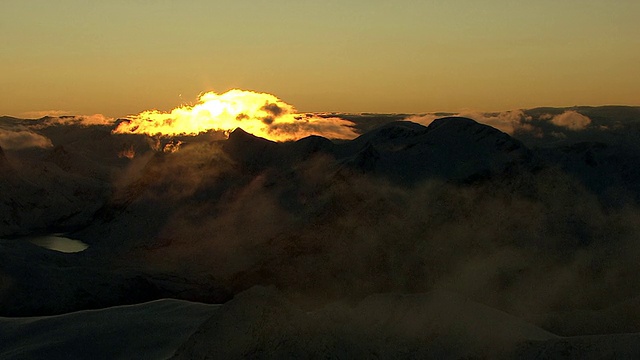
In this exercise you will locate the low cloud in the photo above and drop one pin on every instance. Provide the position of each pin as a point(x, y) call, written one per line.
point(506, 121)
point(82, 120)
point(26, 133)
point(571, 119)
point(64, 117)
point(523, 248)
point(522, 123)
point(22, 139)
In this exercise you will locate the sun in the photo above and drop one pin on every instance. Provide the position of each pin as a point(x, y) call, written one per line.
point(260, 114)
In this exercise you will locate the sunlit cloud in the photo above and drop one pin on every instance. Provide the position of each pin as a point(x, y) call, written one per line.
point(507, 121)
point(82, 120)
point(571, 120)
point(260, 114)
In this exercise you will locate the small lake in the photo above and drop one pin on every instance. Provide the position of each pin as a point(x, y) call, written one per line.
point(58, 242)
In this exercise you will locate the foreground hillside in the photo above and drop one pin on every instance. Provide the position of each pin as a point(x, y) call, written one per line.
point(260, 323)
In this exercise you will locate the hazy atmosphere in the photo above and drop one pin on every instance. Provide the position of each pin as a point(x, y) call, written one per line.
point(355, 179)
point(123, 57)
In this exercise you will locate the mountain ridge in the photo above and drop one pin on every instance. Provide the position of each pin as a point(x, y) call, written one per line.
point(247, 211)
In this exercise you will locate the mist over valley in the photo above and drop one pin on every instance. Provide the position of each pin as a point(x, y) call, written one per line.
point(529, 217)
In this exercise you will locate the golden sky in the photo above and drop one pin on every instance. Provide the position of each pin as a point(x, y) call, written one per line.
point(122, 57)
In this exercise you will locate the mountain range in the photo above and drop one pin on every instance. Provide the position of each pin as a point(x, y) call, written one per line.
point(538, 225)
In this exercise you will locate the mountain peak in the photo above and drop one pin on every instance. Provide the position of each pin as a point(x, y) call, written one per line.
point(250, 150)
point(241, 137)
point(452, 148)
point(458, 124)
point(460, 129)
point(239, 133)
point(306, 147)
point(394, 131)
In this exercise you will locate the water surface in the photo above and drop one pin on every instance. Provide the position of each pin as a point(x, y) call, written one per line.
point(57, 242)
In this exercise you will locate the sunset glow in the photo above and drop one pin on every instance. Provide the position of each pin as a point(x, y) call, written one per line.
point(260, 114)
point(294, 179)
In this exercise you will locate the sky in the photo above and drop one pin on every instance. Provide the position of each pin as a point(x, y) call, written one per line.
point(122, 57)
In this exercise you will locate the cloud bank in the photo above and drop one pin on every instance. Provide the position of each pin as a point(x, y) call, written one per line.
point(82, 120)
point(514, 121)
